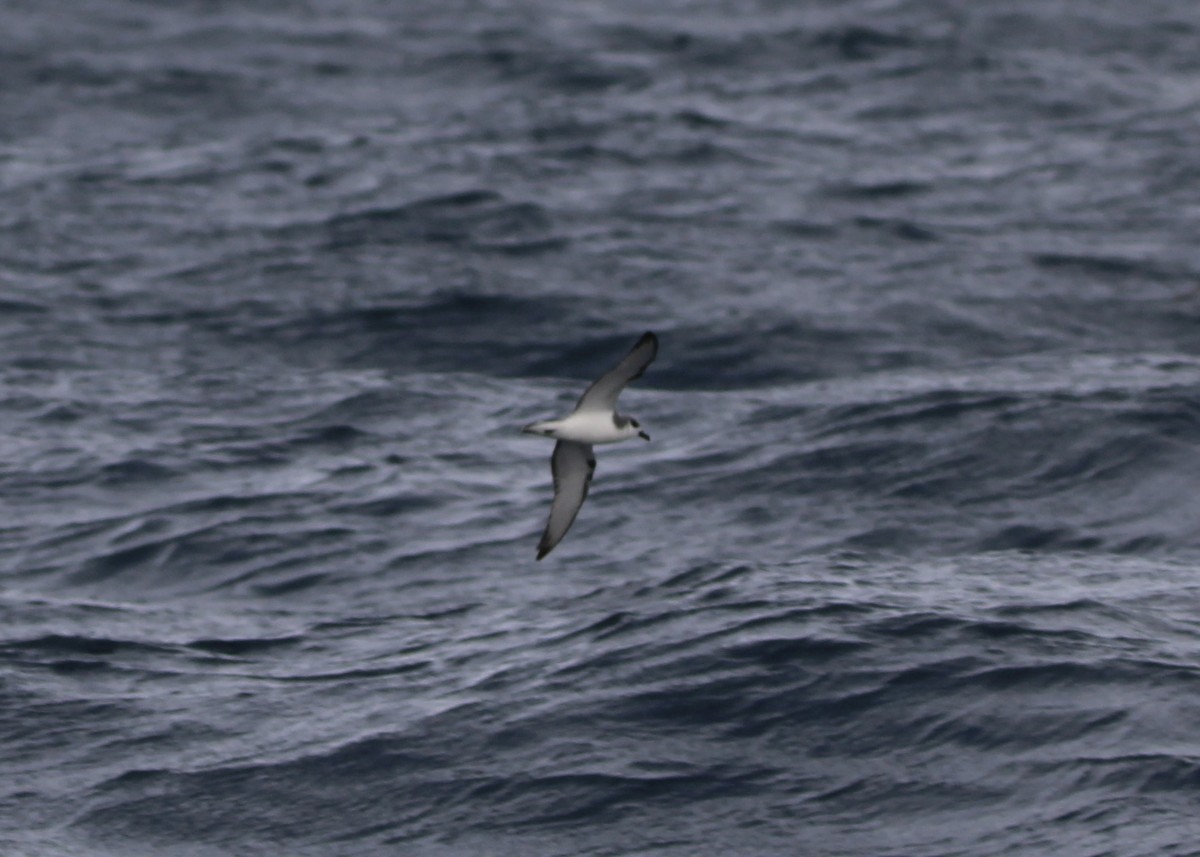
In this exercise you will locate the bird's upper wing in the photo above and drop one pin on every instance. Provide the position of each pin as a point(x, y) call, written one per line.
point(602, 395)
point(572, 465)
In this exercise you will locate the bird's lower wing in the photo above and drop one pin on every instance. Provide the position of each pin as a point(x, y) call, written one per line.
point(602, 395)
point(572, 465)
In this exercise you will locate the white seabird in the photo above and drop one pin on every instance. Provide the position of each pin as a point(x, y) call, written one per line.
point(594, 420)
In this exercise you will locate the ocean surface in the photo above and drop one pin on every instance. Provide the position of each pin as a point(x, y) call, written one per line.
point(911, 567)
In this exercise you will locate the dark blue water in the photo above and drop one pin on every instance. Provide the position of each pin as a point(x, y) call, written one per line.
point(910, 567)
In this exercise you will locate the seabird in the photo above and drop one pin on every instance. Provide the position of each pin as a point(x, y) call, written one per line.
point(594, 420)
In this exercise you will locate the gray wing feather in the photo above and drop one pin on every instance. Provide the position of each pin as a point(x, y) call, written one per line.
point(602, 395)
point(572, 465)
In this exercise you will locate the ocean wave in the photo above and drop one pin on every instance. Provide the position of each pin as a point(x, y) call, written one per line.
point(909, 566)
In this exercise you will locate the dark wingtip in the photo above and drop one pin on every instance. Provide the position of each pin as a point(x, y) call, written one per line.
point(542, 552)
point(652, 340)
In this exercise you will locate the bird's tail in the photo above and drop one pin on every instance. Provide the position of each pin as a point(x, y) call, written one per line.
point(545, 429)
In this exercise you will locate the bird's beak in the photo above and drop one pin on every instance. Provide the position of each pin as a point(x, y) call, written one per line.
point(643, 435)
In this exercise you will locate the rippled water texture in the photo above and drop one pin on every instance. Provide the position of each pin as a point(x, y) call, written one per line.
point(909, 568)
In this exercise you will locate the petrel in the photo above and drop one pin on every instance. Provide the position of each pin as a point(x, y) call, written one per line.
point(594, 420)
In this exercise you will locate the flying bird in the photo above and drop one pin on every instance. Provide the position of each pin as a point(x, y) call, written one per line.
point(594, 420)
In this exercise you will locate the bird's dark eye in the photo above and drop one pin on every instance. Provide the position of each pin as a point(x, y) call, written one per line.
point(634, 423)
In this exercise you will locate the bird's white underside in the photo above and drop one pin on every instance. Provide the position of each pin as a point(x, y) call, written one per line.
point(585, 427)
